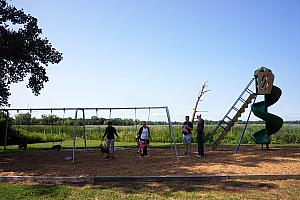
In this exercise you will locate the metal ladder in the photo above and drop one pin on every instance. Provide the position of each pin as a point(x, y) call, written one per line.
point(226, 123)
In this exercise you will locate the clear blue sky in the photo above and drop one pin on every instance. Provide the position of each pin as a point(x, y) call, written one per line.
point(156, 53)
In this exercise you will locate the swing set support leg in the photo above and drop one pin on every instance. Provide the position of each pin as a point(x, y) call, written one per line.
point(6, 130)
point(173, 142)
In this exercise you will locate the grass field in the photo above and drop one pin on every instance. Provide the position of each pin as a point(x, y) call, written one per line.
point(159, 133)
point(234, 189)
point(68, 144)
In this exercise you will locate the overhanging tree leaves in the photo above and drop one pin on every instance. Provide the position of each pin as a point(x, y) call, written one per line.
point(22, 51)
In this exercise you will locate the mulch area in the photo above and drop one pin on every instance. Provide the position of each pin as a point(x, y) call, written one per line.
point(161, 162)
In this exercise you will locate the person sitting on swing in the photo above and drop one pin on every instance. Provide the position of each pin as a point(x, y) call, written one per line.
point(143, 137)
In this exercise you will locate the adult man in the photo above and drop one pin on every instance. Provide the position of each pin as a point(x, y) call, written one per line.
point(187, 136)
point(200, 136)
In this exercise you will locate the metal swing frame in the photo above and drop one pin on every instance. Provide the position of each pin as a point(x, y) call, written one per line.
point(171, 131)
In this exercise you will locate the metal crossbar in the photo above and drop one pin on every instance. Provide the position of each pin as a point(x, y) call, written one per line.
point(89, 108)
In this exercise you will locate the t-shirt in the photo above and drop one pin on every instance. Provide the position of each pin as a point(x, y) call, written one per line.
point(186, 130)
point(110, 132)
point(145, 134)
point(143, 131)
point(200, 126)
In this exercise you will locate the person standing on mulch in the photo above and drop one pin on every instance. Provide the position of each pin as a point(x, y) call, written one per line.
point(200, 136)
point(143, 136)
point(110, 133)
point(187, 136)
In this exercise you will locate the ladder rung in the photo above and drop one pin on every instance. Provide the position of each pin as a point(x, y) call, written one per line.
point(228, 117)
point(243, 100)
point(249, 91)
point(226, 123)
point(234, 108)
point(222, 127)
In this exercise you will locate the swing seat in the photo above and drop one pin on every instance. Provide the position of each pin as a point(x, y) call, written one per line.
point(104, 148)
point(56, 147)
point(23, 146)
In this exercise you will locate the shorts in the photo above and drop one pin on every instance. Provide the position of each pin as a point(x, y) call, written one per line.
point(110, 145)
point(187, 139)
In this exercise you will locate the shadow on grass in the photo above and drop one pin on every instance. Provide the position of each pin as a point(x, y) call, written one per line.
point(49, 190)
point(188, 186)
point(139, 190)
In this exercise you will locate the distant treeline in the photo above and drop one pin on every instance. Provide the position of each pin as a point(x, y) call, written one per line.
point(27, 119)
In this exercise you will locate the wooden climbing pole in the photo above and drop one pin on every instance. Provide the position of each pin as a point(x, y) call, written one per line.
point(201, 93)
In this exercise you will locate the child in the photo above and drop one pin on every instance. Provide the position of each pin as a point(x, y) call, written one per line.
point(110, 133)
point(143, 136)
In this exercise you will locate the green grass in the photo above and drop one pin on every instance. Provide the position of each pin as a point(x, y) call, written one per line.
point(92, 144)
point(159, 134)
point(233, 189)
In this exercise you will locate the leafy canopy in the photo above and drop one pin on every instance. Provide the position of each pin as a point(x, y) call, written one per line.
point(23, 53)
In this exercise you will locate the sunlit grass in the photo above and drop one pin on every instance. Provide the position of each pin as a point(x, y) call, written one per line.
point(234, 189)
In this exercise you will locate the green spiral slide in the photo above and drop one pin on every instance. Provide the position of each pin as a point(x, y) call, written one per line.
point(273, 122)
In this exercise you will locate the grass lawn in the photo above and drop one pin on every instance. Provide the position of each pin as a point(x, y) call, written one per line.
point(233, 189)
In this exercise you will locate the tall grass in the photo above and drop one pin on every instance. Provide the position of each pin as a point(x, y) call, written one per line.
point(159, 133)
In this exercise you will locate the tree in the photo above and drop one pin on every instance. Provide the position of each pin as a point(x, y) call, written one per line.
point(23, 119)
point(22, 51)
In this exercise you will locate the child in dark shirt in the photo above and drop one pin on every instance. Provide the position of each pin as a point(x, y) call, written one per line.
point(110, 133)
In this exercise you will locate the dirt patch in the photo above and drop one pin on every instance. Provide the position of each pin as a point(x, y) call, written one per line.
point(161, 162)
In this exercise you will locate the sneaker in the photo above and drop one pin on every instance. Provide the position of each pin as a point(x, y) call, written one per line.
point(198, 156)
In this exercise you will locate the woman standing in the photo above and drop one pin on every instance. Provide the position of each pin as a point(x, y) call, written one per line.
point(143, 137)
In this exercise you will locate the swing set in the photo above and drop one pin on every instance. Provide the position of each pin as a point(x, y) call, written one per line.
point(75, 122)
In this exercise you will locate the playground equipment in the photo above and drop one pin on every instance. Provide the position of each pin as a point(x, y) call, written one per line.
point(272, 94)
point(264, 79)
point(171, 131)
